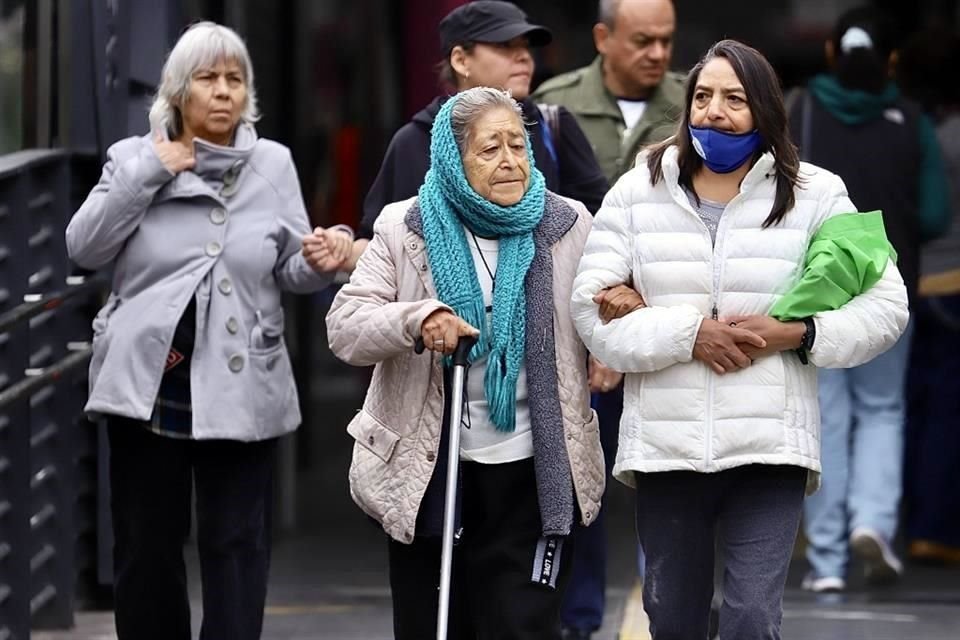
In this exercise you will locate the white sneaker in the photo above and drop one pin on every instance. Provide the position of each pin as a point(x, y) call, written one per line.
point(827, 584)
point(882, 565)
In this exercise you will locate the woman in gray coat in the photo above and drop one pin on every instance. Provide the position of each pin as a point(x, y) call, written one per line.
point(204, 226)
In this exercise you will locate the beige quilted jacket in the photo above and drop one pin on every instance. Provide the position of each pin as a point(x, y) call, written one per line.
point(375, 320)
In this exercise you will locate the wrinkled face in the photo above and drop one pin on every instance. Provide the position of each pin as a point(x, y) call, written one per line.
point(637, 50)
point(215, 100)
point(495, 160)
point(506, 65)
point(719, 100)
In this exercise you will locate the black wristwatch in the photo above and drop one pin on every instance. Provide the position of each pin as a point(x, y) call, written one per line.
point(806, 342)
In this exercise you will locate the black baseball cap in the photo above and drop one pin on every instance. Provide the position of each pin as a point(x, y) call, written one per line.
point(489, 21)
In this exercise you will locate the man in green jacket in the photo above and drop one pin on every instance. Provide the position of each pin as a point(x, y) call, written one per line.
point(626, 98)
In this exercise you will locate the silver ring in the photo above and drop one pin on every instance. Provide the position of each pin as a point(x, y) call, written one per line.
point(439, 342)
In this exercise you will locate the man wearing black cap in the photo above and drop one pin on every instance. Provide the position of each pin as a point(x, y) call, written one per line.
point(487, 43)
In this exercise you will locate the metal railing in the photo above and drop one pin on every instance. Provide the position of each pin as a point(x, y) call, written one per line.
point(49, 453)
point(35, 378)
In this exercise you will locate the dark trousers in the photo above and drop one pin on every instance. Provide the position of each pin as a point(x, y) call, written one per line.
point(753, 513)
point(494, 595)
point(585, 599)
point(151, 479)
point(933, 423)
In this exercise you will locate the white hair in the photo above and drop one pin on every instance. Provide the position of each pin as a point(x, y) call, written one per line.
point(201, 46)
point(473, 103)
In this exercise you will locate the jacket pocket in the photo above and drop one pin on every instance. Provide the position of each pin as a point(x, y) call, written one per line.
point(268, 332)
point(272, 387)
point(375, 485)
point(373, 435)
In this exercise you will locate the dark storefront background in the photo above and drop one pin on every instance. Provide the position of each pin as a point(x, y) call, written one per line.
point(337, 77)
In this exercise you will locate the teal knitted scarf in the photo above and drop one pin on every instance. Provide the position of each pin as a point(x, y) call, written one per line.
point(447, 204)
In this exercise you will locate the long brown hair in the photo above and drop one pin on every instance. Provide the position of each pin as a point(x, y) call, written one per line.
point(769, 117)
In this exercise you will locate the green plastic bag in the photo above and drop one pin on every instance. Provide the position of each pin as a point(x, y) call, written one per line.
point(846, 257)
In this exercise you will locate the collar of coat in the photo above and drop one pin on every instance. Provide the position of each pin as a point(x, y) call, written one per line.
point(763, 169)
point(217, 167)
point(554, 478)
point(596, 100)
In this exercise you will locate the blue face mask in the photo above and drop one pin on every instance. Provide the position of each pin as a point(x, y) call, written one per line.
point(723, 152)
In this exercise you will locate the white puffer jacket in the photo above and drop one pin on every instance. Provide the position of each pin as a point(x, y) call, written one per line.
point(679, 414)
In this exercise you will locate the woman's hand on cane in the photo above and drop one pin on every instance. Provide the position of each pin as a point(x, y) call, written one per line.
point(442, 329)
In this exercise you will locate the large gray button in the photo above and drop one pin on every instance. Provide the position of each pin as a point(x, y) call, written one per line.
point(213, 249)
point(218, 215)
point(232, 325)
point(236, 363)
point(225, 286)
point(231, 175)
point(228, 190)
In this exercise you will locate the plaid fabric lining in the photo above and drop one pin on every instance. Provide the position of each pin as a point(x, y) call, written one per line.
point(173, 412)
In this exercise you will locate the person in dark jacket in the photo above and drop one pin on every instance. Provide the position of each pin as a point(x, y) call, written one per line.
point(487, 43)
point(854, 122)
point(931, 526)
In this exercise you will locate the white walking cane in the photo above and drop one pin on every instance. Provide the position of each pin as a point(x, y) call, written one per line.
point(460, 365)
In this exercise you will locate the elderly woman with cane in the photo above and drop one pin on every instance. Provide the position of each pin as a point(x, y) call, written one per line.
point(204, 227)
point(484, 250)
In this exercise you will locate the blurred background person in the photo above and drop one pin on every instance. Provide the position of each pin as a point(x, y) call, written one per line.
point(530, 454)
point(626, 98)
point(931, 499)
point(854, 122)
point(487, 44)
point(205, 227)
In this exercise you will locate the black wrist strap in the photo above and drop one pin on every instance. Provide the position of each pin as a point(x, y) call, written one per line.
point(806, 342)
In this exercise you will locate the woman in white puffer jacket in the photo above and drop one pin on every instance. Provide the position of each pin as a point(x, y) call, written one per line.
point(720, 429)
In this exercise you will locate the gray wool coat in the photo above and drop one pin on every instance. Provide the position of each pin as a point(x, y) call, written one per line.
point(228, 234)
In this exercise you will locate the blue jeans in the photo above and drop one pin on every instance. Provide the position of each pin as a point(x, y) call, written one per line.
point(933, 428)
point(862, 413)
